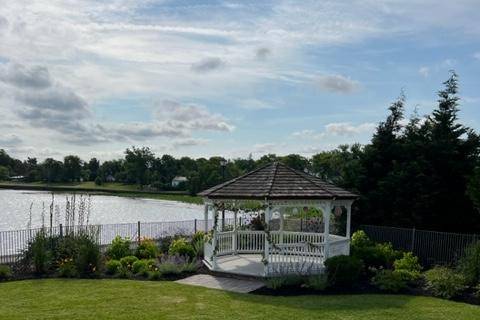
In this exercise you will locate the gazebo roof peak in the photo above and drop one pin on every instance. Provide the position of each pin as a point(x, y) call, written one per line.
point(277, 181)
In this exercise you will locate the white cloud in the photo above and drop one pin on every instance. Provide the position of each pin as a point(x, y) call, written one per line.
point(255, 104)
point(337, 84)
point(424, 71)
point(9, 140)
point(348, 129)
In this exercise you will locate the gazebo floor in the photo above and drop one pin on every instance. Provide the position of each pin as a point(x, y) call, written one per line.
point(245, 264)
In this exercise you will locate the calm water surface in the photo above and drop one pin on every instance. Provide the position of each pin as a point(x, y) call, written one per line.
point(15, 205)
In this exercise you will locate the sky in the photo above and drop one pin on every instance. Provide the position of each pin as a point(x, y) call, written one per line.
point(224, 78)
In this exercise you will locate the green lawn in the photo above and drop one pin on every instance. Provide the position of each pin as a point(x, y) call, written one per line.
point(115, 188)
point(126, 299)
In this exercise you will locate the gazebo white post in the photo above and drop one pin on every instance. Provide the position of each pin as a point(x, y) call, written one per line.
point(267, 244)
point(281, 224)
point(348, 231)
point(205, 216)
point(234, 234)
point(349, 219)
point(214, 238)
point(327, 209)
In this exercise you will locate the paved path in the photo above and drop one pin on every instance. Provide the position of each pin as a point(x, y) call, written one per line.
point(227, 284)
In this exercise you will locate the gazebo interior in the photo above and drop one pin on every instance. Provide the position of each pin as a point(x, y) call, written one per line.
point(282, 221)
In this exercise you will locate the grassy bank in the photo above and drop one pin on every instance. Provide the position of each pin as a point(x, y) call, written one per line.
point(124, 299)
point(117, 189)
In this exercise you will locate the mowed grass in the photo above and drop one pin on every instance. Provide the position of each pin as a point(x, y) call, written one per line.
point(126, 299)
point(113, 188)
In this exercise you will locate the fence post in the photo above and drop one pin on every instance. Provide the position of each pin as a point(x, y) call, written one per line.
point(195, 226)
point(138, 231)
point(413, 239)
point(61, 230)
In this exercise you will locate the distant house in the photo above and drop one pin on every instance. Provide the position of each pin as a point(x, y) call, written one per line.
point(110, 178)
point(17, 178)
point(178, 180)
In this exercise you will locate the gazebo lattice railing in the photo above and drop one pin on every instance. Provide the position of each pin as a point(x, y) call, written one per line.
point(264, 252)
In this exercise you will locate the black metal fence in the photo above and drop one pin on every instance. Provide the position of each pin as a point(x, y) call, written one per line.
point(12, 243)
point(432, 247)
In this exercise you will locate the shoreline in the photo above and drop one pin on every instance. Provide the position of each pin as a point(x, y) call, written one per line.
point(161, 195)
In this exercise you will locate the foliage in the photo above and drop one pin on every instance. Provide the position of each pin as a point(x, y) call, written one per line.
point(389, 280)
point(190, 267)
point(284, 281)
point(154, 275)
point(343, 271)
point(67, 268)
point(170, 269)
point(113, 266)
point(142, 267)
point(469, 264)
point(408, 265)
point(198, 243)
point(147, 249)
point(5, 272)
point(88, 257)
point(360, 240)
point(119, 248)
point(317, 282)
point(444, 282)
point(379, 255)
point(40, 254)
point(181, 247)
point(128, 261)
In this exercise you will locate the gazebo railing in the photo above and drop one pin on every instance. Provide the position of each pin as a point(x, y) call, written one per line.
point(250, 241)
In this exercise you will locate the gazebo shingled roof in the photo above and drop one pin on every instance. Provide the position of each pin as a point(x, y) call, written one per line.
point(277, 181)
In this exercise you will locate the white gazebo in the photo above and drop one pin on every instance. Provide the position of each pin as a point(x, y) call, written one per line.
point(277, 192)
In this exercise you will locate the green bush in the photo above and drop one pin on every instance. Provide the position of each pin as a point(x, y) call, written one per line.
point(181, 247)
point(317, 282)
point(113, 266)
point(190, 267)
point(198, 243)
point(408, 266)
point(390, 281)
point(469, 264)
point(5, 272)
point(154, 275)
point(119, 248)
point(147, 249)
point(88, 257)
point(67, 268)
point(128, 261)
point(41, 255)
point(343, 271)
point(142, 267)
point(286, 281)
point(377, 256)
point(166, 242)
point(170, 269)
point(360, 239)
point(444, 282)
point(198, 236)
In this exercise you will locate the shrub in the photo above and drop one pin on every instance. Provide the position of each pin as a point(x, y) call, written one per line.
point(154, 275)
point(87, 260)
point(444, 282)
point(469, 264)
point(128, 261)
point(67, 268)
point(119, 248)
point(286, 281)
point(98, 181)
point(5, 272)
point(41, 255)
point(147, 249)
point(360, 240)
point(142, 267)
point(408, 266)
point(113, 266)
point(198, 236)
point(376, 256)
point(170, 269)
point(317, 282)
point(389, 280)
point(166, 242)
point(181, 247)
point(343, 271)
point(190, 267)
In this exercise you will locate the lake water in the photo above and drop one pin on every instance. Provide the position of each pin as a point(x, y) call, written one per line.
point(15, 206)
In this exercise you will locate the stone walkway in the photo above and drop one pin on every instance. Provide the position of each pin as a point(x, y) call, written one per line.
point(227, 284)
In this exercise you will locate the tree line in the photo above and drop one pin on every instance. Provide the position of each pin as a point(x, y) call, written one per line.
point(423, 172)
